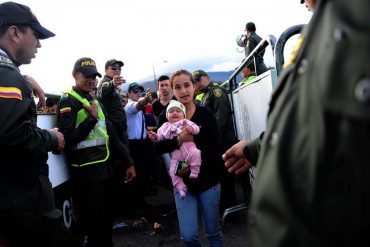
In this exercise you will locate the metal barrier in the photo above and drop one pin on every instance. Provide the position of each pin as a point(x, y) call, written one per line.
point(232, 79)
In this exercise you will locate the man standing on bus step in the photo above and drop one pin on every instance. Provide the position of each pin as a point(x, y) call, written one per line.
point(251, 43)
point(27, 209)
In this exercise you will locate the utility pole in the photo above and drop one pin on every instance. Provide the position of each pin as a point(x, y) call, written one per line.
point(155, 77)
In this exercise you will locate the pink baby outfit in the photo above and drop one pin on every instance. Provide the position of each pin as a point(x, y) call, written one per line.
point(188, 151)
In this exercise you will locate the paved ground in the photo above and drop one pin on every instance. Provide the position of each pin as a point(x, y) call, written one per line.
point(234, 231)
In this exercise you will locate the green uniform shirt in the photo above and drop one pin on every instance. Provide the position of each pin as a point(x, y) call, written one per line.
point(109, 96)
point(313, 170)
point(215, 98)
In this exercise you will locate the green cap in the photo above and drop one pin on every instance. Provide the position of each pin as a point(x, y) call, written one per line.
point(198, 74)
point(133, 86)
point(113, 61)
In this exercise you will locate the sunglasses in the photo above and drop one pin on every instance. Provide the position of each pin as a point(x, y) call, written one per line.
point(115, 68)
point(137, 91)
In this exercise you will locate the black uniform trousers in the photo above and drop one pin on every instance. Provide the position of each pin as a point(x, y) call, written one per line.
point(142, 152)
point(91, 204)
point(31, 218)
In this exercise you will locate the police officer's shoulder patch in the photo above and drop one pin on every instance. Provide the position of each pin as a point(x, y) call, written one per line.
point(105, 84)
point(217, 92)
point(5, 60)
point(65, 110)
point(11, 93)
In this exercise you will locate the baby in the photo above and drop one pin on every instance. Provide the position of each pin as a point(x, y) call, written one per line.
point(188, 152)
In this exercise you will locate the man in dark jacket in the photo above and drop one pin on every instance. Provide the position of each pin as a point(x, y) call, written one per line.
point(27, 210)
point(312, 184)
point(251, 43)
point(109, 94)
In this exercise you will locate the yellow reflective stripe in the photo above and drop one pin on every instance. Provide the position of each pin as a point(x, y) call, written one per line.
point(100, 123)
point(98, 135)
point(97, 161)
point(89, 143)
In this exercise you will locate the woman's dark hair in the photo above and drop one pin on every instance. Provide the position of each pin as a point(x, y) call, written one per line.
point(180, 72)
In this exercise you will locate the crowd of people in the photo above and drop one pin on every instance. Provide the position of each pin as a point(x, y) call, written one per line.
point(312, 183)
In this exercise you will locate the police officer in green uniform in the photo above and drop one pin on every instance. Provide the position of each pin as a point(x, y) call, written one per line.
point(27, 209)
point(216, 99)
point(313, 174)
point(248, 74)
point(110, 96)
point(251, 43)
point(89, 138)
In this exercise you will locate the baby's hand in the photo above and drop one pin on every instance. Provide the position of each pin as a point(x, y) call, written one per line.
point(189, 130)
point(152, 135)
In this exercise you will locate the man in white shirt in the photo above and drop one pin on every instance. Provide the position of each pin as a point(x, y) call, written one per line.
point(141, 147)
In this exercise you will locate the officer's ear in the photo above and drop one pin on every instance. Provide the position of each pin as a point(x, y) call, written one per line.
point(14, 33)
point(74, 74)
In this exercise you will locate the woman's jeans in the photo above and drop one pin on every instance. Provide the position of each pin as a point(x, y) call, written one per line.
point(187, 213)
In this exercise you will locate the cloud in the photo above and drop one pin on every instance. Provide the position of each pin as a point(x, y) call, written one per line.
point(188, 34)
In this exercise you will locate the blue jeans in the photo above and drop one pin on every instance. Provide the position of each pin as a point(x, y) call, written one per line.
point(187, 213)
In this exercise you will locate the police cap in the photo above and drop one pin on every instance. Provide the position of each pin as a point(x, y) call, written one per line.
point(14, 13)
point(113, 61)
point(198, 74)
point(86, 66)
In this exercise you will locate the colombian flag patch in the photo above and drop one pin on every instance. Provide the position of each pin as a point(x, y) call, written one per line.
point(10, 93)
point(65, 110)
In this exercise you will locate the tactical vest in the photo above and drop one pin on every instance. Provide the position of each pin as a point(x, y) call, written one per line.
point(94, 149)
point(200, 96)
point(247, 80)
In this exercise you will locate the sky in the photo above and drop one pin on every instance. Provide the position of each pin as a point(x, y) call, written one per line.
point(151, 36)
